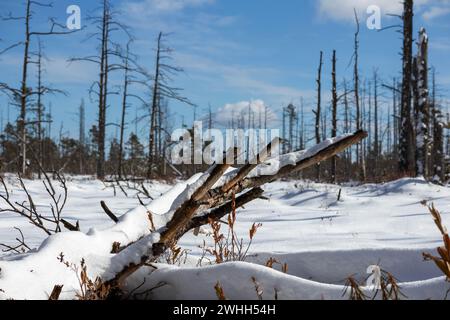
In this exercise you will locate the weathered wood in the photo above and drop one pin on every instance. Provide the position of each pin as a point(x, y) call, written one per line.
point(108, 212)
point(69, 226)
point(183, 219)
point(219, 197)
point(220, 212)
point(56, 292)
point(186, 211)
point(245, 170)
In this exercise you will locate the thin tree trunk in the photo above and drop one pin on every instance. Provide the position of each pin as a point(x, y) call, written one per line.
point(423, 110)
point(406, 163)
point(39, 111)
point(124, 113)
point(438, 137)
point(334, 116)
point(102, 95)
point(376, 146)
point(360, 147)
point(24, 91)
point(154, 109)
point(318, 110)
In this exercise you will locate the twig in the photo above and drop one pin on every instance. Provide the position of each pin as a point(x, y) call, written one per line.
point(108, 212)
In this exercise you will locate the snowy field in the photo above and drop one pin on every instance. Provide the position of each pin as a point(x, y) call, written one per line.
point(322, 240)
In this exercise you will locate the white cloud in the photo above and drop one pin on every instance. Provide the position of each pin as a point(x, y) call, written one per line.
point(442, 44)
point(250, 81)
point(60, 71)
point(343, 9)
point(150, 7)
point(232, 112)
point(437, 11)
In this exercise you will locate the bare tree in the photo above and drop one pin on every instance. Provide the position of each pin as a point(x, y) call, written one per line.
point(24, 92)
point(318, 110)
point(438, 136)
point(359, 149)
point(347, 128)
point(422, 114)
point(376, 142)
point(161, 88)
point(405, 144)
point(39, 109)
point(82, 135)
point(105, 24)
point(334, 104)
point(291, 115)
point(129, 67)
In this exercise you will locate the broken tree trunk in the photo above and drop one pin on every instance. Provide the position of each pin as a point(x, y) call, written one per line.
point(215, 203)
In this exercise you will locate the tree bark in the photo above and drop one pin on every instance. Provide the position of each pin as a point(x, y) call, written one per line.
point(318, 110)
point(334, 116)
point(406, 165)
point(154, 109)
point(423, 110)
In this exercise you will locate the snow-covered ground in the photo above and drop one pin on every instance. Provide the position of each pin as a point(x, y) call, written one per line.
point(322, 240)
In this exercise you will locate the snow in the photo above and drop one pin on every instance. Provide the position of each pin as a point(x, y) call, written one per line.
point(273, 165)
point(237, 280)
point(323, 241)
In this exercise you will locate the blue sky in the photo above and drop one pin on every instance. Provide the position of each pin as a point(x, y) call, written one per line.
point(232, 51)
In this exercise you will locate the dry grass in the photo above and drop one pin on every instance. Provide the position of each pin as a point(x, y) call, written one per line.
point(272, 261)
point(356, 292)
point(227, 246)
point(388, 289)
point(219, 292)
point(443, 261)
point(88, 289)
point(175, 255)
point(258, 289)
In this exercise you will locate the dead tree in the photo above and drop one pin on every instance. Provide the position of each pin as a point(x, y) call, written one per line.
point(124, 110)
point(437, 157)
point(82, 136)
point(302, 125)
point(161, 88)
point(318, 110)
point(376, 142)
point(39, 109)
point(24, 92)
point(103, 89)
point(106, 24)
point(347, 128)
point(422, 113)
point(130, 69)
point(360, 148)
point(395, 117)
point(334, 104)
point(291, 115)
point(406, 164)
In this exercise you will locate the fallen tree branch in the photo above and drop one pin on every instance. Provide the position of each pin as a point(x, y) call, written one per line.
point(69, 226)
point(186, 211)
point(331, 150)
point(108, 212)
point(22, 247)
point(245, 170)
point(56, 292)
point(184, 218)
point(220, 212)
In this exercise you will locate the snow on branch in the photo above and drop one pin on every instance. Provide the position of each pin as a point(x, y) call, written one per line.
point(146, 232)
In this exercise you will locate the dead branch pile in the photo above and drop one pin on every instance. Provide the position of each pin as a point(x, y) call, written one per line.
point(209, 202)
